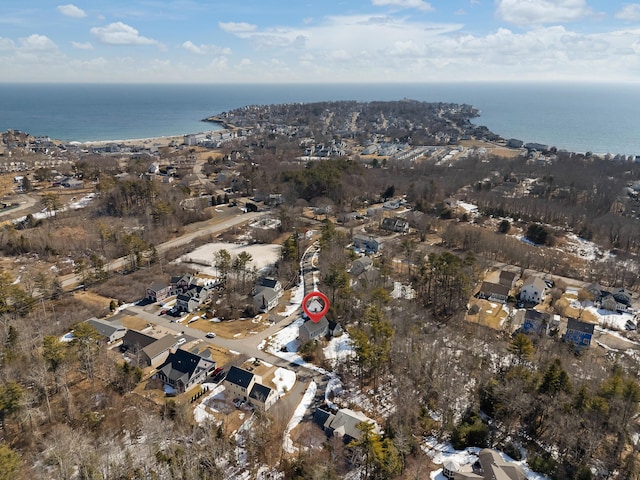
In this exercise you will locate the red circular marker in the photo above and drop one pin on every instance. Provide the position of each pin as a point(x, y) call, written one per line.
point(315, 305)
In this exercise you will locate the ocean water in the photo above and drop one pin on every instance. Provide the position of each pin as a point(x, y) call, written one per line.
point(592, 117)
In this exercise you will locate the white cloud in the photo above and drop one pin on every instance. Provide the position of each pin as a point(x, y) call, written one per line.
point(82, 45)
point(233, 27)
point(630, 12)
point(205, 49)
point(37, 42)
point(6, 44)
point(531, 12)
point(121, 34)
point(419, 4)
point(70, 10)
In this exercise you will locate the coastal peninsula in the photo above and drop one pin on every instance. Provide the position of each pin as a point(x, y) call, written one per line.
point(152, 291)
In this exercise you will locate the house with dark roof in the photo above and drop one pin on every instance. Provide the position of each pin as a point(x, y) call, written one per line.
point(535, 322)
point(192, 299)
point(245, 385)
point(579, 333)
point(344, 423)
point(133, 342)
point(180, 284)
point(395, 224)
point(158, 291)
point(269, 282)
point(262, 396)
point(239, 382)
point(493, 292)
point(182, 370)
point(111, 330)
point(507, 279)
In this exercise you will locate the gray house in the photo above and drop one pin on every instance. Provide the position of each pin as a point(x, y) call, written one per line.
point(361, 265)
point(192, 299)
point(182, 370)
point(310, 330)
point(157, 352)
point(344, 423)
point(266, 299)
point(111, 330)
point(367, 243)
point(493, 292)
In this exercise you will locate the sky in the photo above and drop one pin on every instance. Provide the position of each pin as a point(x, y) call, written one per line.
point(319, 41)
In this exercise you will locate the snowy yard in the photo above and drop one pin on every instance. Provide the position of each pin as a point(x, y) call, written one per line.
point(443, 452)
point(202, 258)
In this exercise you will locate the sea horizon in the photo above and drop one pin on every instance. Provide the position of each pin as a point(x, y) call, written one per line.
point(576, 117)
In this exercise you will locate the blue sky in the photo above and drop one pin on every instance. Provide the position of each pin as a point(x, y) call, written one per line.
point(319, 41)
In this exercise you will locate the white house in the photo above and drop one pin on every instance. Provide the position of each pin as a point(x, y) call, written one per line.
point(533, 290)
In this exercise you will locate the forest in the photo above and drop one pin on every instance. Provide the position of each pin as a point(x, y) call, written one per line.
point(67, 410)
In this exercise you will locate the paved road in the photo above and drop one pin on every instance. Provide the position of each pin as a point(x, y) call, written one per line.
point(26, 201)
point(249, 345)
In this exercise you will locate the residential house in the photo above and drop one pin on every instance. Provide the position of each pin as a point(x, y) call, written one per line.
point(111, 330)
point(262, 396)
point(367, 243)
point(579, 333)
point(395, 224)
point(361, 265)
point(244, 385)
point(490, 466)
point(344, 423)
point(182, 370)
point(239, 383)
point(535, 322)
point(608, 302)
point(494, 292)
point(133, 342)
point(269, 282)
point(192, 299)
point(266, 299)
point(311, 330)
point(595, 290)
point(180, 284)
point(156, 352)
point(508, 279)
point(267, 293)
point(533, 290)
point(158, 291)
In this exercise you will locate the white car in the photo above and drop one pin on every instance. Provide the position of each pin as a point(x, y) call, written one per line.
point(181, 341)
point(211, 335)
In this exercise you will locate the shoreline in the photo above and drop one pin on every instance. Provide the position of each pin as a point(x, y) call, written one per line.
point(162, 141)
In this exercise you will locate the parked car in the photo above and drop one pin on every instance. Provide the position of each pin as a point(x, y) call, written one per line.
point(181, 341)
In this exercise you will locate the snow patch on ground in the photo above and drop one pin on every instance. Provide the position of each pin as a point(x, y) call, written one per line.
point(200, 413)
point(442, 452)
point(303, 406)
point(339, 349)
point(202, 258)
point(284, 380)
point(297, 294)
